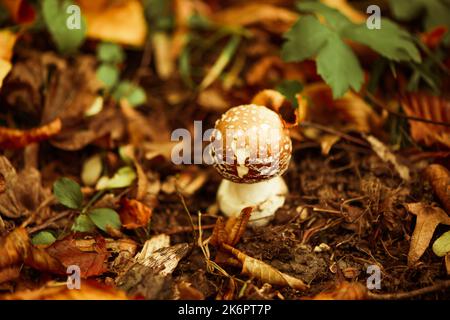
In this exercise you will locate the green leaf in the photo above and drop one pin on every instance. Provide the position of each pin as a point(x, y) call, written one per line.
point(43, 238)
point(110, 52)
point(442, 245)
point(56, 18)
point(340, 73)
point(124, 177)
point(92, 169)
point(83, 224)
point(134, 94)
point(289, 88)
point(304, 40)
point(108, 74)
point(68, 193)
point(390, 41)
point(334, 18)
point(104, 218)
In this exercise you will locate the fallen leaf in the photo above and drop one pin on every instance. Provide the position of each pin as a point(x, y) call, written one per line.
point(387, 156)
point(14, 247)
point(7, 42)
point(134, 214)
point(17, 200)
point(90, 263)
point(119, 21)
point(89, 290)
point(275, 19)
point(17, 139)
point(187, 292)
point(344, 291)
point(428, 107)
point(439, 178)
point(277, 102)
point(428, 218)
point(264, 272)
point(347, 10)
point(9, 274)
point(235, 227)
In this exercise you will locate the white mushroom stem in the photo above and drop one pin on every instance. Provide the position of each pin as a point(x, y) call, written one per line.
point(266, 196)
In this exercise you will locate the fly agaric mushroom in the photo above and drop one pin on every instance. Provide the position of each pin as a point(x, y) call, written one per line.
point(251, 149)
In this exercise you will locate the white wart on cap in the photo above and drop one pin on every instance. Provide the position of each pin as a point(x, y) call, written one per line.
point(250, 144)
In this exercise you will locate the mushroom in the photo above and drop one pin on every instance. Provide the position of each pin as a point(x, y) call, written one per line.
point(251, 149)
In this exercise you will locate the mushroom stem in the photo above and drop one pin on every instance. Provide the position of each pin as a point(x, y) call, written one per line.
point(266, 196)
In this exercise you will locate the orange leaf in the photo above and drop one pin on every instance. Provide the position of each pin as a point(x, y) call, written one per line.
point(7, 42)
point(14, 247)
point(433, 38)
point(428, 107)
point(264, 272)
point(115, 21)
point(439, 178)
point(344, 291)
point(134, 214)
point(89, 290)
point(16, 139)
point(428, 218)
point(277, 102)
point(238, 226)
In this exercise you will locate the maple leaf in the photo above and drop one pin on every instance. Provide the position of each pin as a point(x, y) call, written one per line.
point(428, 218)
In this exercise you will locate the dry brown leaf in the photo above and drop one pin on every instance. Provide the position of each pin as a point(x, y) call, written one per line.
point(89, 290)
point(134, 214)
point(237, 227)
point(439, 178)
point(17, 139)
point(387, 156)
point(428, 218)
point(120, 21)
point(17, 200)
point(9, 274)
point(426, 106)
point(90, 263)
point(219, 234)
point(344, 291)
point(187, 292)
point(14, 247)
point(264, 272)
point(274, 100)
point(346, 114)
point(276, 19)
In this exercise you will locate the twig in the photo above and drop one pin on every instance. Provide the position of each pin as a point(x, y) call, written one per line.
point(49, 221)
point(335, 132)
point(411, 294)
point(380, 104)
point(182, 229)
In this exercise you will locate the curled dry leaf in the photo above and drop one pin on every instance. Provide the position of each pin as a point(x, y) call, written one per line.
point(428, 218)
point(17, 139)
point(120, 21)
point(439, 178)
point(89, 290)
point(134, 214)
point(426, 106)
point(235, 227)
point(14, 247)
point(387, 156)
point(17, 201)
point(278, 103)
point(264, 272)
point(275, 19)
point(344, 291)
